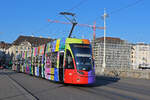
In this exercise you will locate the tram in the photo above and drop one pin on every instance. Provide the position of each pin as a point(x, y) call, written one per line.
point(64, 60)
point(71, 61)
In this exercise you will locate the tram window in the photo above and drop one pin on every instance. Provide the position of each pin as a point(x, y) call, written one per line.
point(69, 61)
point(33, 59)
point(40, 59)
point(54, 59)
point(36, 59)
point(48, 62)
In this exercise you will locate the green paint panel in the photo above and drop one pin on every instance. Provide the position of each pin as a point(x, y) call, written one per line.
point(73, 40)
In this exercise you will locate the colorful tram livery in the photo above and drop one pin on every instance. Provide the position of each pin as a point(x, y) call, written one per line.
point(41, 58)
point(36, 69)
point(64, 60)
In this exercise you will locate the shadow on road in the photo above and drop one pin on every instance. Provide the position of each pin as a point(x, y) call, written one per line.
point(100, 81)
point(104, 80)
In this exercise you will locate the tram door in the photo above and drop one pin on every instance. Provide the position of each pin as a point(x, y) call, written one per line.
point(61, 59)
point(40, 66)
point(69, 68)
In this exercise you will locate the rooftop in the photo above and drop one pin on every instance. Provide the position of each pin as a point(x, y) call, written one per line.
point(35, 41)
point(4, 45)
point(110, 40)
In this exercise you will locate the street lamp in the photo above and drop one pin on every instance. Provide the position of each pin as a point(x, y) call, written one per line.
point(104, 52)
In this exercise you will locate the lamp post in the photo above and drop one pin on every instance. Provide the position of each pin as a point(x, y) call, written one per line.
point(104, 52)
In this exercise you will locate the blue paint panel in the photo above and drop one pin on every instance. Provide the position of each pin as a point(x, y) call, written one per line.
point(91, 76)
point(37, 71)
point(53, 46)
point(56, 78)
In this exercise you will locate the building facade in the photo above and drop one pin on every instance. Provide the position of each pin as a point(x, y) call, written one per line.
point(18, 49)
point(117, 53)
point(140, 56)
point(25, 43)
point(4, 46)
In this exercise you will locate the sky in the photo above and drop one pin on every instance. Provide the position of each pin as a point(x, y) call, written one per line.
point(127, 19)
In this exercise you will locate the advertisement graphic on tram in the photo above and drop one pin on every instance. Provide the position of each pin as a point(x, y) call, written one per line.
point(28, 62)
point(51, 59)
point(36, 62)
point(41, 58)
point(47, 61)
point(25, 60)
point(33, 61)
point(22, 62)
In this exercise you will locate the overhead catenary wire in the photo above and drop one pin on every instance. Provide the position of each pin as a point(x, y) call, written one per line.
point(125, 7)
point(47, 25)
point(121, 8)
point(43, 27)
point(77, 5)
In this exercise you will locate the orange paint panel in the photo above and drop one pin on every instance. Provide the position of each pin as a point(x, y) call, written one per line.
point(85, 41)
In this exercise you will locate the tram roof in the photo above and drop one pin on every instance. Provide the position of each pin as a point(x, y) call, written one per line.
point(75, 40)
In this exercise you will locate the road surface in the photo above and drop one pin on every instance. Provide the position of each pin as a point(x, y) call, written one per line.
point(20, 86)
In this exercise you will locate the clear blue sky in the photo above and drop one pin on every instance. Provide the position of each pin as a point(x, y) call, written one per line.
point(128, 19)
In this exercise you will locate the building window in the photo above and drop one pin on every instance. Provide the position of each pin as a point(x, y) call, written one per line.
point(132, 61)
point(132, 56)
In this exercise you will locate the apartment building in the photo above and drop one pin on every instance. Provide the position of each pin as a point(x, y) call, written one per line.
point(140, 56)
point(117, 53)
point(4, 46)
point(25, 43)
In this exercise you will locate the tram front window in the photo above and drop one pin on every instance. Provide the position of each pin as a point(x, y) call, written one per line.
point(83, 56)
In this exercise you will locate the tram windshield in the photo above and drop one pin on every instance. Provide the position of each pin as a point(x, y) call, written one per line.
point(83, 56)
